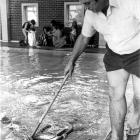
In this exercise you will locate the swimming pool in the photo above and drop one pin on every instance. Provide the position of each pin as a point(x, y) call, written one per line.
point(29, 79)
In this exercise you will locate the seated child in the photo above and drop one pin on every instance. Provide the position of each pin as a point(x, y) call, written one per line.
point(59, 39)
point(45, 39)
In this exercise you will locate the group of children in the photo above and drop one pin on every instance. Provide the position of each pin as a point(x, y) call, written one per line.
point(52, 35)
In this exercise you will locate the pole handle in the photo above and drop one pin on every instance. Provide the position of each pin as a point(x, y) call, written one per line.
point(44, 115)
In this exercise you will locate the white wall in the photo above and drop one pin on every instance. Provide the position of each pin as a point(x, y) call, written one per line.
point(4, 19)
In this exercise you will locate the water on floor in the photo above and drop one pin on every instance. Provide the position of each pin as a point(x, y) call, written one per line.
point(29, 79)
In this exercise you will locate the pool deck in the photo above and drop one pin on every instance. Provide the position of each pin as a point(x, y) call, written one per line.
point(87, 50)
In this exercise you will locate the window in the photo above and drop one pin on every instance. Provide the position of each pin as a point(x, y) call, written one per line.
point(29, 12)
point(73, 11)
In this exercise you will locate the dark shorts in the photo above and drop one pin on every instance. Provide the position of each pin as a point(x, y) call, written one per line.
point(128, 62)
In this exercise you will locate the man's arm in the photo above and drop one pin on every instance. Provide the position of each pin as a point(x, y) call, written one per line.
point(87, 32)
point(79, 47)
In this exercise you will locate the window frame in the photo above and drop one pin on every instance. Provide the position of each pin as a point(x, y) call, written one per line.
point(24, 18)
point(66, 11)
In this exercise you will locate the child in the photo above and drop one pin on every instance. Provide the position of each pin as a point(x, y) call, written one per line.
point(45, 38)
point(59, 39)
point(74, 32)
point(25, 29)
point(32, 37)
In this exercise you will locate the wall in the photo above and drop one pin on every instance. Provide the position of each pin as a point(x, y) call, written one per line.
point(4, 31)
point(48, 10)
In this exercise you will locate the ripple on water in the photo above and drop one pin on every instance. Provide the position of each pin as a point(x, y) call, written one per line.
point(29, 85)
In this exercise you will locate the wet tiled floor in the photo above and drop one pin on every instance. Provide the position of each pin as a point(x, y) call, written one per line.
point(29, 79)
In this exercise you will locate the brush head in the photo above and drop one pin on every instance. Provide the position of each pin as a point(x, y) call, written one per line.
point(46, 136)
point(43, 135)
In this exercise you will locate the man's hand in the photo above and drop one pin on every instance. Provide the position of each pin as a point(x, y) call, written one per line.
point(79, 47)
point(69, 69)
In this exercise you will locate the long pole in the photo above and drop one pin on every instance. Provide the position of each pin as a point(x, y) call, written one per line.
point(44, 115)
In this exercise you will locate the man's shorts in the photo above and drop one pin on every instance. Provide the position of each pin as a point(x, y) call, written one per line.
point(128, 62)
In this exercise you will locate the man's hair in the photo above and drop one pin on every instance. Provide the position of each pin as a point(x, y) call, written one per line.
point(33, 21)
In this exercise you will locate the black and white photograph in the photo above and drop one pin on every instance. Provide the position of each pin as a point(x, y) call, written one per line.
point(69, 69)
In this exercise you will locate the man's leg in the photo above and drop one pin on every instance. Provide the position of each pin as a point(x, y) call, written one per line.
point(134, 121)
point(117, 80)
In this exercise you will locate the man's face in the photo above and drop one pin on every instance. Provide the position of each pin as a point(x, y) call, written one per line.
point(89, 4)
point(95, 5)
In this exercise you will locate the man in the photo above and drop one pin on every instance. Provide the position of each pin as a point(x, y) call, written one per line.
point(119, 22)
point(26, 27)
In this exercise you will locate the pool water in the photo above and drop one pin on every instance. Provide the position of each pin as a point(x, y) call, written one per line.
point(29, 79)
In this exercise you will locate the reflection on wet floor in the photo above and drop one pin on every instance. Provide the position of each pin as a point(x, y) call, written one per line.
point(29, 79)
